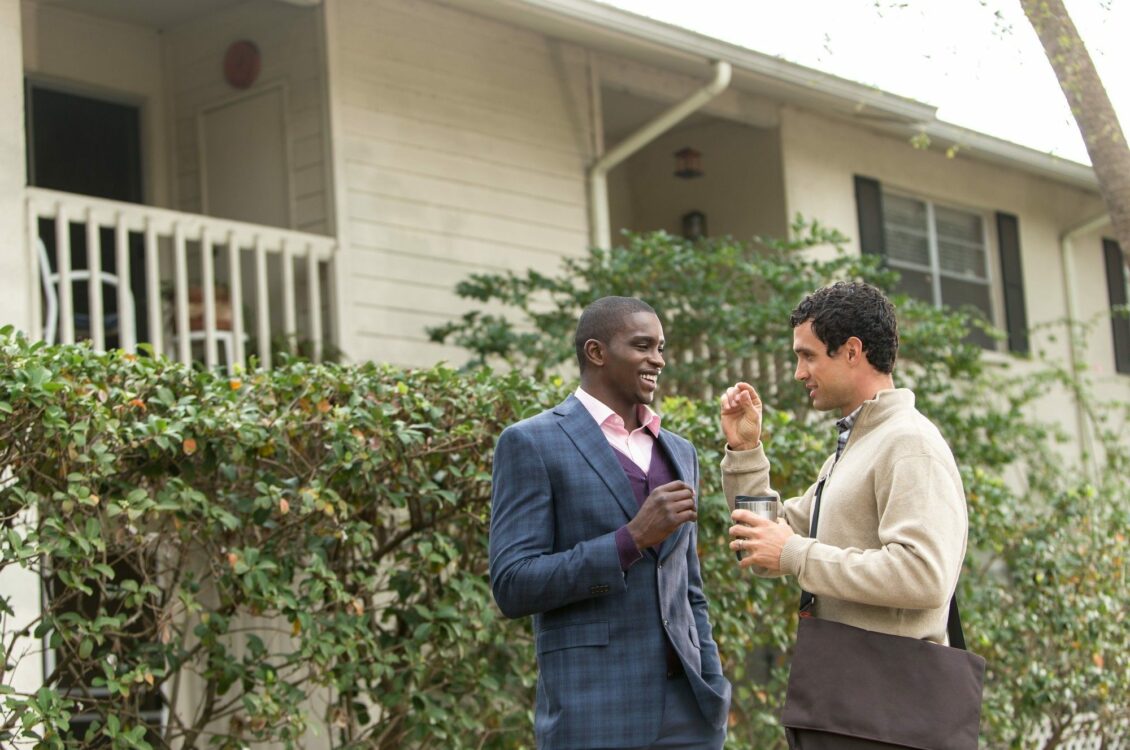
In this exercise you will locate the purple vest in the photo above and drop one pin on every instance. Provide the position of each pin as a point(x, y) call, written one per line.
point(659, 473)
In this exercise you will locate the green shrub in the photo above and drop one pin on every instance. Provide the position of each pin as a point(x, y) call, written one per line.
point(315, 531)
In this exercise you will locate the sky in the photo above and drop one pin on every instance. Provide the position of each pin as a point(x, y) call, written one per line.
point(978, 61)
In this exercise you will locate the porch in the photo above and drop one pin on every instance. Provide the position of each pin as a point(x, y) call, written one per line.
point(177, 195)
point(193, 287)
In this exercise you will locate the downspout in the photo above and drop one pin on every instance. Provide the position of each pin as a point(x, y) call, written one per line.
point(601, 231)
point(1066, 255)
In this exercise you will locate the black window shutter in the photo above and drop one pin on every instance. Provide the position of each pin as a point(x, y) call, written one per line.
point(1012, 281)
point(869, 206)
point(1116, 290)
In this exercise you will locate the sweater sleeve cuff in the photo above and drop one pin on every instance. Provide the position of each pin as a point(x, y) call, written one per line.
point(626, 548)
point(744, 462)
point(794, 554)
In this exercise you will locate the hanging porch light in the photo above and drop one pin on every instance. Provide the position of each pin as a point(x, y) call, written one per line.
point(688, 163)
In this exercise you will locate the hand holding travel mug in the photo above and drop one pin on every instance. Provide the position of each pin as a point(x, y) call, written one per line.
point(764, 506)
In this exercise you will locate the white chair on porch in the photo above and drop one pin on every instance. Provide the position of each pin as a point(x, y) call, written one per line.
point(111, 322)
point(225, 343)
point(223, 333)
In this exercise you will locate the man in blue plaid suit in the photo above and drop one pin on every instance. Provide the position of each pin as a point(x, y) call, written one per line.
point(593, 534)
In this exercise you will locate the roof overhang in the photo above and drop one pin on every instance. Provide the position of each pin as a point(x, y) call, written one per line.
point(607, 29)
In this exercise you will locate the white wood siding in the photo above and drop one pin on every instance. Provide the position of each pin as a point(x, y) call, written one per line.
point(463, 146)
point(290, 48)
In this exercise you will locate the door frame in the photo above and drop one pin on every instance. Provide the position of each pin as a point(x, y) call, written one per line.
point(88, 91)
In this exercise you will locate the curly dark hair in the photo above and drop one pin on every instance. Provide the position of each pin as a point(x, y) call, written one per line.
point(847, 309)
point(603, 319)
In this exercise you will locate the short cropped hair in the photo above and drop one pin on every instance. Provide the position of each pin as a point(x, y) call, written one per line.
point(847, 309)
point(603, 319)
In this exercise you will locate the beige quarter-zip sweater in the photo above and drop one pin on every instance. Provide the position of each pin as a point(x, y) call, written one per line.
point(893, 522)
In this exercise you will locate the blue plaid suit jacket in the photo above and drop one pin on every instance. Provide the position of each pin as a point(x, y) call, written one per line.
point(559, 495)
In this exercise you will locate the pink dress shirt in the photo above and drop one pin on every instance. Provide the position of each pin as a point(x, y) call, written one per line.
point(638, 443)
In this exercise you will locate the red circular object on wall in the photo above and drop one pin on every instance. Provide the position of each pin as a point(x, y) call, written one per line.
point(241, 64)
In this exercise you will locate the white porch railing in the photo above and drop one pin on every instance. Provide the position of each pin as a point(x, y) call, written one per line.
point(180, 279)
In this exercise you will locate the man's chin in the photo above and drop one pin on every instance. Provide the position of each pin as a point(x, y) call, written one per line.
point(820, 405)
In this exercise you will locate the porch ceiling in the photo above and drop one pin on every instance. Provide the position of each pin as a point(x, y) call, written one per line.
point(160, 14)
point(625, 113)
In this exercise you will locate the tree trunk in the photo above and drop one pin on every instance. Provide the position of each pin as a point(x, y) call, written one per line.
point(1102, 134)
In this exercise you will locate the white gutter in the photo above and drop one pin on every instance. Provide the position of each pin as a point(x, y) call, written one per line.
point(601, 230)
point(1066, 254)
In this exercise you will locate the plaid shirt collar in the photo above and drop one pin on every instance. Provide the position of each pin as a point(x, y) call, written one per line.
point(844, 426)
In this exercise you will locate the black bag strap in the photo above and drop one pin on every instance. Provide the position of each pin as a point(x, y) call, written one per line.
point(953, 625)
point(807, 599)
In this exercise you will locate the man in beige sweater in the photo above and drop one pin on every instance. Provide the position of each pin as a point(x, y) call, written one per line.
point(892, 523)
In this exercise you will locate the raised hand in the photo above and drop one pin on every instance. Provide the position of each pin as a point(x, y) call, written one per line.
point(741, 416)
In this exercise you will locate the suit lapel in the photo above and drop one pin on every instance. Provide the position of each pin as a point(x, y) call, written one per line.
point(590, 442)
point(682, 471)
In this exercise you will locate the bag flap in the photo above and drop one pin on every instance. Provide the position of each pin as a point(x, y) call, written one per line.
point(882, 687)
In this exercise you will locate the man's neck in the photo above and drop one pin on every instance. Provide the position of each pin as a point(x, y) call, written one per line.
point(872, 389)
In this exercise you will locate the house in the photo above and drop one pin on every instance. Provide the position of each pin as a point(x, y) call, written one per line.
point(224, 178)
point(348, 161)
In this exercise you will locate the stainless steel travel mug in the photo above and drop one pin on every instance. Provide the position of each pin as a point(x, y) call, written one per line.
point(764, 506)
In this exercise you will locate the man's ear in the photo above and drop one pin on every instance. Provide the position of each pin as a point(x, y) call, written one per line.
point(594, 352)
point(853, 350)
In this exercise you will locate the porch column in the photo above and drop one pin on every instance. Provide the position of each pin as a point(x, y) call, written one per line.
point(15, 266)
point(19, 585)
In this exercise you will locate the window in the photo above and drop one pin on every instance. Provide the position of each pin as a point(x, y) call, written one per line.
point(942, 255)
point(1116, 291)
